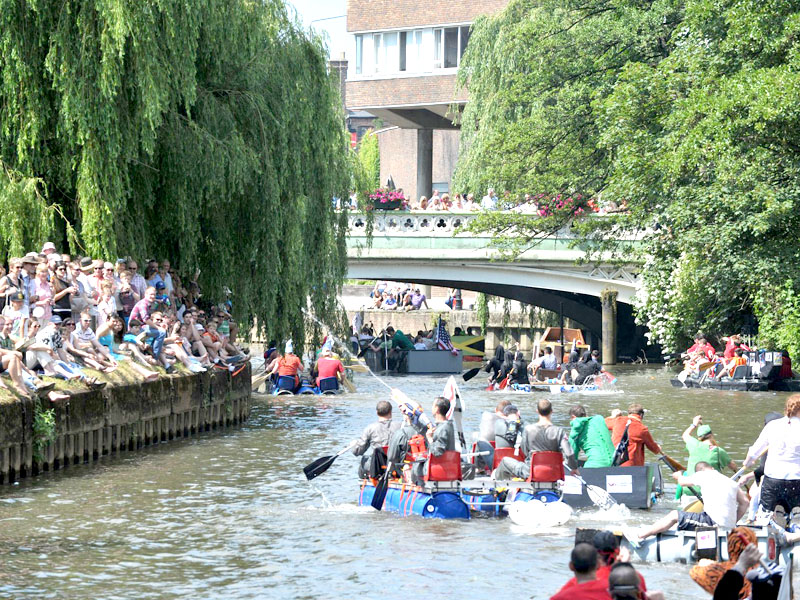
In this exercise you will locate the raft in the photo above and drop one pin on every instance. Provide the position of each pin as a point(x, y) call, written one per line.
point(690, 546)
point(440, 500)
point(750, 384)
point(285, 387)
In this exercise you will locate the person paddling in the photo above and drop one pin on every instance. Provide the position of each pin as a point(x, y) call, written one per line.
point(375, 436)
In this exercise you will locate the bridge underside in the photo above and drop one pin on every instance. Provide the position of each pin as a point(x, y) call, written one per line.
point(585, 310)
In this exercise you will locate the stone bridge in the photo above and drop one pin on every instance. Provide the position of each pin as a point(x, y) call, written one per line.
point(427, 248)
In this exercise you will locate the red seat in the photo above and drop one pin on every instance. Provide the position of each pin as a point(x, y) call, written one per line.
point(547, 467)
point(501, 453)
point(446, 467)
point(475, 449)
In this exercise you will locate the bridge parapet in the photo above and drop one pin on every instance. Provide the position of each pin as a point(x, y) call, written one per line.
point(442, 224)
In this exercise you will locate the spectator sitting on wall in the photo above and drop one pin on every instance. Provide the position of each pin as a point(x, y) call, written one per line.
point(415, 300)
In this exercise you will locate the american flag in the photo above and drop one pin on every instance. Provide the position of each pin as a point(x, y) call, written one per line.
point(443, 339)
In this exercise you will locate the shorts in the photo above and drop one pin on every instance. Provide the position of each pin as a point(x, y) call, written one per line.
point(780, 491)
point(690, 521)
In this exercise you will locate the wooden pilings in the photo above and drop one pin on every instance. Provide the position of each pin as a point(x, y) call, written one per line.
point(120, 419)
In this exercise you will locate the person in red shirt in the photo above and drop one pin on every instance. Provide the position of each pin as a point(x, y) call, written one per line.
point(638, 435)
point(732, 343)
point(328, 366)
point(289, 365)
point(608, 551)
point(786, 366)
point(583, 562)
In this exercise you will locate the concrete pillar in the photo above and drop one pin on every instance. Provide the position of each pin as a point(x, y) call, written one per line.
point(424, 162)
point(609, 320)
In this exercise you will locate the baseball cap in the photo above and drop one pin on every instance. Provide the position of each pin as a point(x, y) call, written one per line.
point(160, 285)
point(18, 297)
point(510, 409)
point(703, 430)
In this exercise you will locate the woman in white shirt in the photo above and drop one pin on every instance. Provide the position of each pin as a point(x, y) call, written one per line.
point(781, 481)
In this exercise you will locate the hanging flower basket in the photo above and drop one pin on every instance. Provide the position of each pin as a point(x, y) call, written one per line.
point(382, 199)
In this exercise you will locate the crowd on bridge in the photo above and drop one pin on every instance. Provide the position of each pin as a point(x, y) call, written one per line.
point(72, 317)
point(534, 204)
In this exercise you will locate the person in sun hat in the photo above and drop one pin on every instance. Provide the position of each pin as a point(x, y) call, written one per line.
point(48, 248)
point(704, 448)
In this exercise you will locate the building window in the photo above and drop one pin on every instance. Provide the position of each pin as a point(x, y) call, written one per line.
point(462, 45)
point(377, 44)
point(386, 52)
point(403, 56)
point(449, 45)
point(359, 54)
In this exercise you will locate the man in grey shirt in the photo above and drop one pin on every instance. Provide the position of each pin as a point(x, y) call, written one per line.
point(541, 436)
point(375, 436)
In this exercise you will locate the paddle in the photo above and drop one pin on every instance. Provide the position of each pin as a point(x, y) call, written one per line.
point(471, 373)
point(600, 497)
point(348, 384)
point(675, 466)
point(672, 463)
point(319, 466)
point(381, 488)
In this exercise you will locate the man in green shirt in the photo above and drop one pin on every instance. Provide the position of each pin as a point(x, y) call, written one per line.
point(704, 448)
point(591, 435)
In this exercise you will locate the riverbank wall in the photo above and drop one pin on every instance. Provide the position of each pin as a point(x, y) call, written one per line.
point(37, 436)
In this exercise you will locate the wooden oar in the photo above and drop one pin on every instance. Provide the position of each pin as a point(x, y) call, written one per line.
point(348, 384)
point(672, 463)
point(319, 466)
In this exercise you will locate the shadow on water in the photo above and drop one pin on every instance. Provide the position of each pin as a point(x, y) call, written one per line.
point(230, 514)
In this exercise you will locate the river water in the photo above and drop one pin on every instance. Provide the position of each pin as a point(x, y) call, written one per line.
point(230, 515)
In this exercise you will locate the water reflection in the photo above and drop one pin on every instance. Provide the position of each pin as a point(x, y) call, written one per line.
point(230, 515)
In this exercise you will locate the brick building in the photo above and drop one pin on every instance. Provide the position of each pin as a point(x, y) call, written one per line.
point(406, 55)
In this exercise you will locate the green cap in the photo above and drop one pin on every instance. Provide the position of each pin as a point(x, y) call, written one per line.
point(703, 430)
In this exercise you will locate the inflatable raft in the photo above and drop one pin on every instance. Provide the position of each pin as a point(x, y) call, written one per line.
point(287, 386)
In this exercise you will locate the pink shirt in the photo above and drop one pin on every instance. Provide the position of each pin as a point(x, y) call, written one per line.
point(45, 293)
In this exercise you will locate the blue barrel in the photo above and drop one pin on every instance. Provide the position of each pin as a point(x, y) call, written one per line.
point(440, 505)
point(486, 503)
point(541, 495)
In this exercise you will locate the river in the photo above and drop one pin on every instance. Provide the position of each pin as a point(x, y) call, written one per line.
point(230, 515)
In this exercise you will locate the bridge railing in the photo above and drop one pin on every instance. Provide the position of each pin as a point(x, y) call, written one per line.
point(443, 224)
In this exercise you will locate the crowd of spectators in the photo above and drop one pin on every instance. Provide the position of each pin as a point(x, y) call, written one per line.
point(62, 315)
point(392, 295)
point(539, 204)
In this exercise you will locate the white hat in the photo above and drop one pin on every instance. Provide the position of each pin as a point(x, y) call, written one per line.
point(38, 312)
point(48, 246)
point(289, 349)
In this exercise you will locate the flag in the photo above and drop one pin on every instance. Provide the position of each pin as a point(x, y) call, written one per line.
point(621, 452)
point(443, 339)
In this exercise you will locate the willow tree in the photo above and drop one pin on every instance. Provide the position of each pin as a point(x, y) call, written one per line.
point(209, 132)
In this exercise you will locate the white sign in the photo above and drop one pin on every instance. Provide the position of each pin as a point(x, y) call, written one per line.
point(706, 539)
point(619, 484)
point(572, 485)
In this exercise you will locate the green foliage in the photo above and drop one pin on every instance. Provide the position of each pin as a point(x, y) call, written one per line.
point(686, 112)
point(44, 429)
point(209, 132)
point(369, 156)
point(482, 312)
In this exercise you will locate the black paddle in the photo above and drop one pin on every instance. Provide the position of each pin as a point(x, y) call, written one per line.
point(471, 373)
point(381, 488)
point(319, 466)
